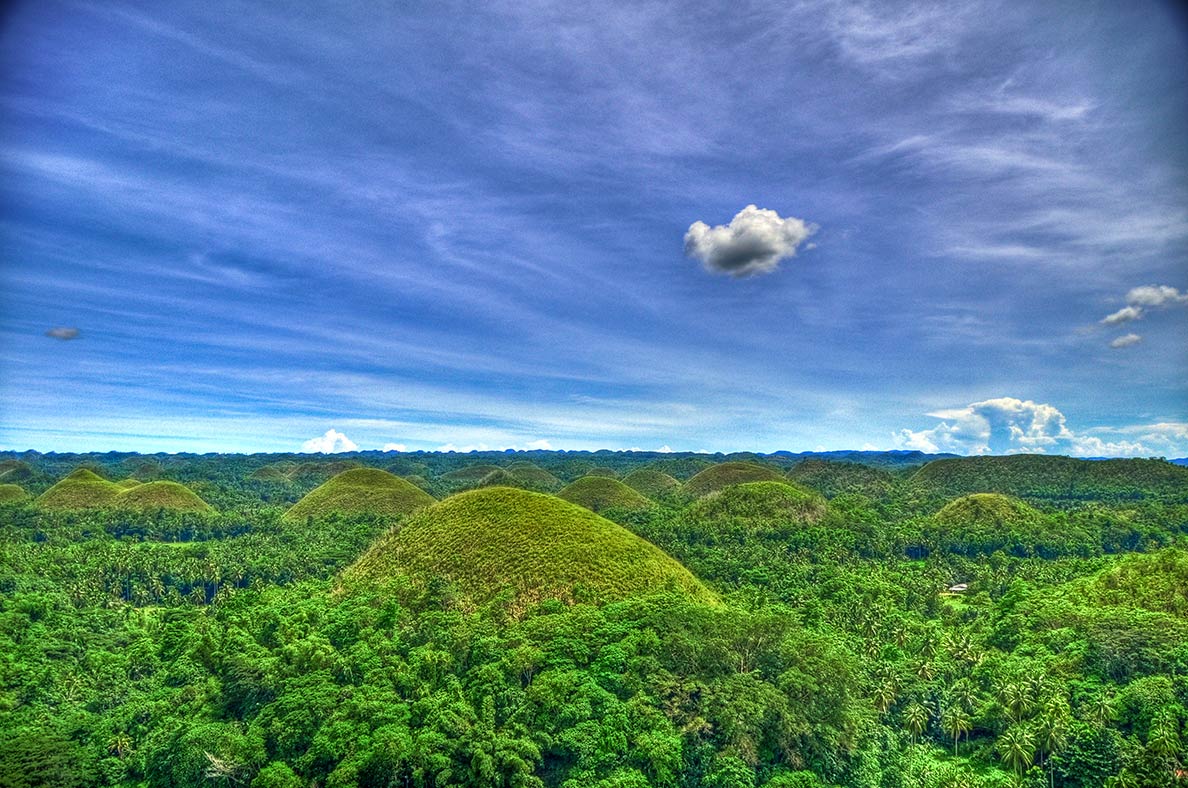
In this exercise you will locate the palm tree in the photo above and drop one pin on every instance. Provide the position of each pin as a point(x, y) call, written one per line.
point(884, 696)
point(1102, 709)
point(955, 722)
point(916, 718)
point(1017, 748)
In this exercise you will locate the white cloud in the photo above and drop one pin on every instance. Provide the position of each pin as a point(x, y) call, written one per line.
point(332, 442)
point(400, 447)
point(1141, 300)
point(62, 332)
point(1126, 340)
point(754, 242)
point(1123, 315)
point(1011, 426)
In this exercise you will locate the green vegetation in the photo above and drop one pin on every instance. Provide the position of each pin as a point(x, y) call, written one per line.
point(361, 491)
point(832, 479)
point(651, 483)
point(722, 475)
point(599, 493)
point(531, 476)
point(761, 504)
point(154, 496)
point(82, 489)
point(1012, 633)
point(127, 484)
point(470, 475)
point(12, 493)
point(536, 545)
point(1054, 478)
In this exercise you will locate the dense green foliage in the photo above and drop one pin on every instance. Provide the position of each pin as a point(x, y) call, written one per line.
point(361, 491)
point(506, 638)
point(12, 493)
point(151, 496)
point(599, 493)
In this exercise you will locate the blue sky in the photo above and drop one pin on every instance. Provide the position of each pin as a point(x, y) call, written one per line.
point(469, 225)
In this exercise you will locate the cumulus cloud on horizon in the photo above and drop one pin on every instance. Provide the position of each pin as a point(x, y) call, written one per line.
point(400, 447)
point(754, 242)
point(1006, 425)
point(333, 442)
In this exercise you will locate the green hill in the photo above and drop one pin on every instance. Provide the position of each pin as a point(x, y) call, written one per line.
point(128, 484)
point(1054, 478)
point(832, 479)
point(322, 470)
point(12, 493)
point(763, 504)
point(538, 545)
point(15, 471)
point(1156, 581)
point(982, 523)
point(81, 489)
point(602, 470)
point(358, 491)
point(533, 477)
point(651, 483)
point(468, 476)
point(270, 473)
point(599, 493)
point(724, 474)
point(155, 496)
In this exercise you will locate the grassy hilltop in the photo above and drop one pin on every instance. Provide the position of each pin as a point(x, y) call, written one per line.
point(538, 545)
point(361, 491)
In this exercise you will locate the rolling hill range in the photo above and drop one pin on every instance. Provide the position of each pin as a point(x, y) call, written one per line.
point(1054, 478)
point(717, 477)
point(538, 545)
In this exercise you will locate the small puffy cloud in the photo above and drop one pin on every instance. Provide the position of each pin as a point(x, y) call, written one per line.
point(400, 447)
point(1140, 301)
point(754, 242)
point(1155, 295)
point(1126, 340)
point(332, 442)
point(1123, 315)
point(536, 445)
point(62, 332)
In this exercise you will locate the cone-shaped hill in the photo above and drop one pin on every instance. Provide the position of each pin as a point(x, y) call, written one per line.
point(12, 493)
point(155, 496)
point(982, 523)
point(128, 484)
point(599, 493)
point(361, 491)
point(724, 474)
point(651, 483)
point(832, 479)
point(763, 504)
point(468, 476)
point(534, 477)
point(81, 489)
point(540, 546)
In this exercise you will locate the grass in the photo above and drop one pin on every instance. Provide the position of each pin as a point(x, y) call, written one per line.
point(155, 496)
point(15, 471)
point(651, 483)
point(832, 479)
point(468, 476)
point(84, 489)
point(533, 477)
point(538, 545)
point(12, 493)
point(986, 511)
point(762, 503)
point(599, 493)
point(361, 490)
point(722, 475)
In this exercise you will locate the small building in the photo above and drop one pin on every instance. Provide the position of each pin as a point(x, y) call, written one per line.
point(959, 588)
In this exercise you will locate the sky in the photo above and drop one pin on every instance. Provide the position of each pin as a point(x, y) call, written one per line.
point(241, 226)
